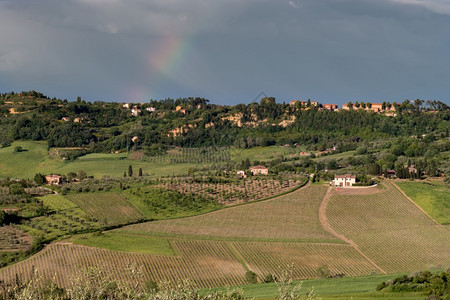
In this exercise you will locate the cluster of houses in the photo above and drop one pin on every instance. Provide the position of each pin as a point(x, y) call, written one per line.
point(75, 120)
point(135, 110)
point(53, 179)
point(374, 107)
point(346, 180)
point(256, 170)
point(304, 104)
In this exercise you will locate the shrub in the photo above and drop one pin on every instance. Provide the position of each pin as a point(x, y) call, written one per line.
point(251, 277)
point(269, 278)
point(323, 271)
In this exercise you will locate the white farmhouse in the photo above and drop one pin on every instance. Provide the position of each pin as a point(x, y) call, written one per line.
point(344, 180)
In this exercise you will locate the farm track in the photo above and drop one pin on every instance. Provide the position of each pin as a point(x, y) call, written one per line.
point(324, 221)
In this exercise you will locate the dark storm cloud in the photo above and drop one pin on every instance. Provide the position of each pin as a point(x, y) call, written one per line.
point(227, 51)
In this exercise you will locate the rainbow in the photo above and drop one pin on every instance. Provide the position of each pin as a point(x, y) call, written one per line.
point(168, 54)
point(161, 62)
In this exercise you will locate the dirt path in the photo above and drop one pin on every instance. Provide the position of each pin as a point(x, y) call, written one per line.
point(238, 256)
point(324, 221)
point(415, 204)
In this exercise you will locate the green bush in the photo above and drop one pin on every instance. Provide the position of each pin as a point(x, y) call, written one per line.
point(250, 277)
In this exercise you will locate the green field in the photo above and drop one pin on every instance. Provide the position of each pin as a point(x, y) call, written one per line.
point(57, 202)
point(36, 160)
point(261, 153)
point(433, 197)
point(27, 163)
point(335, 156)
point(109, 208)
point(105, 156)
point(125, 242)
point(358, 288)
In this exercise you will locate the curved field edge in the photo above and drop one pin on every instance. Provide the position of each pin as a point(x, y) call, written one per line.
point(291, 217)
point(433, 197)
point(390, 230)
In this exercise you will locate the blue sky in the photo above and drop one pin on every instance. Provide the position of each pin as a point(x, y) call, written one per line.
point(228, 51)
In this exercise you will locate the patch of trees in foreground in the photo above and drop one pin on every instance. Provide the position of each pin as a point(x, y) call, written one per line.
point(95, 283)
point(435, 286)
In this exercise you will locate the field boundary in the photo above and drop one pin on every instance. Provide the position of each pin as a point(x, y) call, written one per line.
point(324, 222)
point(303, 185)
point(415, 204)
point(237, 255)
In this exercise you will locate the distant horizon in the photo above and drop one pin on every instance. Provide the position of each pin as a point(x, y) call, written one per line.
point(218, 103)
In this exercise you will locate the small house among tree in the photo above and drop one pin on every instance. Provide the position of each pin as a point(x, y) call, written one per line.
point(259, 170)
point(53, 179)
point(346, 180)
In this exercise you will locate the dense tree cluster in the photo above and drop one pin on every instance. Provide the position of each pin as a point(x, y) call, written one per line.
point(106, 127)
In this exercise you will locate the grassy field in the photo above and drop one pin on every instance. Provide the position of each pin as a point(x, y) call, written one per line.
point(104, 156)
point(27, 163)
point(261, 153)
point(433, 197)
point(125, 242)
point(109, 208)
point(292, 217)
point(358, 288)
point(390, 230)
point(36, 160)
point(335, 156)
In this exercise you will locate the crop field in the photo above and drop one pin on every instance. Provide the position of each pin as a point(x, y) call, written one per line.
point(261, 153)
point(407, 249)
point(384, 210)
point(13, 239)
point(233, 192)
point(125, 242)
point(391, 230)
point(67, 221)
point(109, 208)
point(206, 263)
point(433, 197)
point(291, 217)
point(57, 202)
point(268, 258)
point(187, 155)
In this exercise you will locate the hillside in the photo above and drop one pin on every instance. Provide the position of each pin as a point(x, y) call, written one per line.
point(383, 231)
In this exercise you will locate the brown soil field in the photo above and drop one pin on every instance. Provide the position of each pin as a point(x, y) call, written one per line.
point(291, 217)
point(206, 263)
point(13, 239)
point(390, 230)
point(268, 258)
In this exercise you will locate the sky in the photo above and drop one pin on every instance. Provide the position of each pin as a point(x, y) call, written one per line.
point(228, 51)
